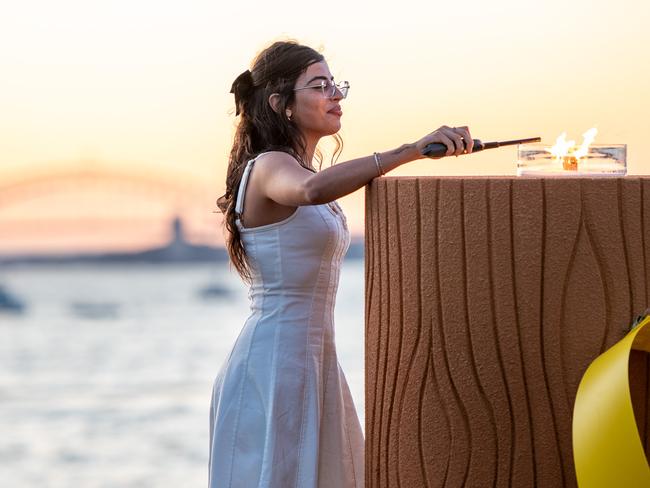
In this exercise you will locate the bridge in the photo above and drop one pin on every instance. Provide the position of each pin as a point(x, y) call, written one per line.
point(74, 205)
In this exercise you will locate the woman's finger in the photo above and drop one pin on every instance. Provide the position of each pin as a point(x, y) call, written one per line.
point(458, 141)
point(467, 137)
point(447, 142)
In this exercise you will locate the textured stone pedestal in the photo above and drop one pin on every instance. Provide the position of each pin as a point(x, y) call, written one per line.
point(486, 300)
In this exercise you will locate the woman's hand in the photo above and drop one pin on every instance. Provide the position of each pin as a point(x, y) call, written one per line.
point(457, 139)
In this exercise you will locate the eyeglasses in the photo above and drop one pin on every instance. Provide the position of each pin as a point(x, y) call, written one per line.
point(328, 88)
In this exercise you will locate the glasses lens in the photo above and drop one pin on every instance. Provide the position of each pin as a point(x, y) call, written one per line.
point(344, 86)
point(331, 89)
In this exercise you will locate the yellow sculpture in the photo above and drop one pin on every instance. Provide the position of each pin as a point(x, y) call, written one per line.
point(607, 449)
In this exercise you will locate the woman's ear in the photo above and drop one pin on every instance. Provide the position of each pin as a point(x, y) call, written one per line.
point(274, 100)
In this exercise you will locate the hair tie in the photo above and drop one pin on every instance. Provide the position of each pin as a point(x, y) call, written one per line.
point(242, 88)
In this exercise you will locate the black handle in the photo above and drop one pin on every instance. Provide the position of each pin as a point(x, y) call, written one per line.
point(437, 149)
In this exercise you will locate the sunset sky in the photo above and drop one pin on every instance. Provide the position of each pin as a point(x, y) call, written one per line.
point(143, 86)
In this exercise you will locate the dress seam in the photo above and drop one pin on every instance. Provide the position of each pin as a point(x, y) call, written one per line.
point(339, 255)
point(330, 285)
point(311, 318)
point(273, 369)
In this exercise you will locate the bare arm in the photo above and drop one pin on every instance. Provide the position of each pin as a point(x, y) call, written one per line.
point(344, 178)
point(287, 183)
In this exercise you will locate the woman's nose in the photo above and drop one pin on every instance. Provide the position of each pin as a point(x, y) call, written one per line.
point(338, 95)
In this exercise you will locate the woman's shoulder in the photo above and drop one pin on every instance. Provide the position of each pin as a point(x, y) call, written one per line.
point(274, 158)
point(277, 158)
point(278, 151)
point(276, 154)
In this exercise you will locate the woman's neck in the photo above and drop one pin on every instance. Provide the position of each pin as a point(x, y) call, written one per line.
point(310, 149)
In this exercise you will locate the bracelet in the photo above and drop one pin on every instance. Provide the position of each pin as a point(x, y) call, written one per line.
point(378, 164)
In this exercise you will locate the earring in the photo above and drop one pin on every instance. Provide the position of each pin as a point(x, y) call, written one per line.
point(288, 112)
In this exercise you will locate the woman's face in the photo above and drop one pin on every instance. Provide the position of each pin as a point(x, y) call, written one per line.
point(314, 114)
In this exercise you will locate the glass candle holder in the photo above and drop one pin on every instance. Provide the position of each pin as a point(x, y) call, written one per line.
point(601, 160)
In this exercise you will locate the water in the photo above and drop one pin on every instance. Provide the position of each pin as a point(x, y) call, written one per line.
point(105, 381)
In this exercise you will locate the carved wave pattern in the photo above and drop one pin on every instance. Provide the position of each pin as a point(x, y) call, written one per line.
point(486, 300)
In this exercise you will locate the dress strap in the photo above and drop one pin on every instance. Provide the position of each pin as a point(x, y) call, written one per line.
point(239, 205)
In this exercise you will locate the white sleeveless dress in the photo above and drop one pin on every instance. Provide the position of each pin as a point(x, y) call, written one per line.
point(282, 415)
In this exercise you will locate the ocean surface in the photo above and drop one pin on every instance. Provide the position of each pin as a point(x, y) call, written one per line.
point(105, 379)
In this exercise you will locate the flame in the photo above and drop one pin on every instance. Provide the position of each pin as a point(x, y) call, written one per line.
point(565, 151)
point(588, 138)
point(562, 146)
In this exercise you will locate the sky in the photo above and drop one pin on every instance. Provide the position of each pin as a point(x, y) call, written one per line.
point(143, 87)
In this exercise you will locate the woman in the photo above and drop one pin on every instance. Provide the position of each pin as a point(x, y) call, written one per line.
point(281, 414)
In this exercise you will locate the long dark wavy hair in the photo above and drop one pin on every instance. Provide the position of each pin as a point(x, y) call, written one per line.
point(260, 128)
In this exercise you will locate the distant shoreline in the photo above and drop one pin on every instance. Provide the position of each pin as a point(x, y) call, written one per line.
point(178, 250)
point(174, 252)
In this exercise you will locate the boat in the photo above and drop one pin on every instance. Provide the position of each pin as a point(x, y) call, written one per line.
point(214, 291)
point(9, 303)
